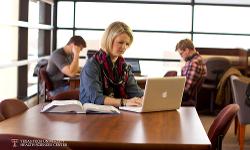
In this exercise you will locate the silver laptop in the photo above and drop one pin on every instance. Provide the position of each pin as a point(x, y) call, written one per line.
point(161, 94)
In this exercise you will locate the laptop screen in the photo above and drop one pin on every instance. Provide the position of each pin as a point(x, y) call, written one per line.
point(135, 65)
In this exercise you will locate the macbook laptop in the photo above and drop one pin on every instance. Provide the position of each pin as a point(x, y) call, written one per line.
point(161, 94)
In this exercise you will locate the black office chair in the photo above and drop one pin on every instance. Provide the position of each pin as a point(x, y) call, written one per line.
point(216, 66)
point(91, 52)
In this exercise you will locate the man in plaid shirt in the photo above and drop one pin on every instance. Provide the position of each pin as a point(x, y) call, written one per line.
point(194, 69)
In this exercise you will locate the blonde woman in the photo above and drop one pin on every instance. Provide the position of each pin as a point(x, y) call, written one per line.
point(106, 78)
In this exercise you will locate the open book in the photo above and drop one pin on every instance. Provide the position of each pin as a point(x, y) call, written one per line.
point(75, 106)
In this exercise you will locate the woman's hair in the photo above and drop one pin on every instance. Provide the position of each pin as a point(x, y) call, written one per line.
point(183, 44)
point(113, 30)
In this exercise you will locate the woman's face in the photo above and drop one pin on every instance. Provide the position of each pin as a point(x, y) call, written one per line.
point(120, 45)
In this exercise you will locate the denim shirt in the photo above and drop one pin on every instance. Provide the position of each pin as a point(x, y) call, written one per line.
point(91, 85)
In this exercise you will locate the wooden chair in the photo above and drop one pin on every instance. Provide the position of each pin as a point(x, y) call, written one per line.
point(221, 124)
point(68, 95)
point(23, 142)
point(243, 118)
point(171, 73)
point(12, 107)
point(1, 117)
point(48, 86)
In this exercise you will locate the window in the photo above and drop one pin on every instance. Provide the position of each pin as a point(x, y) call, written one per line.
point(65, 14)
point(10, 9)
point(149, 29)
point(9, 48)
point(159, 25)
point(8, 80)
point(25, 28)
point(221, 19)
point(63, 37)
point(9, 43)
point(221, 41)
point(155, 45)
point(145, 19)
point(224, 1)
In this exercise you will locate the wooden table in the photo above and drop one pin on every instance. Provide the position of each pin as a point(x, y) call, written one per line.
point(173, 130)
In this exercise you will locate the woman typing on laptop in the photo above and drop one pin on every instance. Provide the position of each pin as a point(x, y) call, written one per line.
point(106, 78)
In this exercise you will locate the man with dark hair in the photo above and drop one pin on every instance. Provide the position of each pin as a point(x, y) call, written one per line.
point(65, 61)
point(195, 70)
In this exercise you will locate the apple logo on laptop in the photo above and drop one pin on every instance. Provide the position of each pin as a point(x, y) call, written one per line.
point(164, 94)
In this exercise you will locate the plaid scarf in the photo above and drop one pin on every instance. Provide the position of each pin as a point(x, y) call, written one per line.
point(114, 76)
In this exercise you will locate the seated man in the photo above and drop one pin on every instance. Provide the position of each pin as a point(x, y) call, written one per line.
point(65, 62)
point(194, 69)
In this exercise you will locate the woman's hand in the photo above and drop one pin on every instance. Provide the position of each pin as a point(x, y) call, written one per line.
point(135, 101)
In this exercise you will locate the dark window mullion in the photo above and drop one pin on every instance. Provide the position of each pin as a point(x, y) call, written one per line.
point(22, 74)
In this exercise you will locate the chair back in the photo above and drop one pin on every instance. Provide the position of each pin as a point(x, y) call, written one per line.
point(193, 99)
point(1, 116)
point(12, 107)
point(91, 52)
point(216, 66)
point(45, 77)
point(46, 83)
point(67, 95)
point(15, 141)
point(221, 124)
point(48, 86)
point(198, 88)
point(239, 95)
point(170, 73)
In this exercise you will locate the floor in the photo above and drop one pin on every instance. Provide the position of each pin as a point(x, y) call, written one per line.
point(230, 140)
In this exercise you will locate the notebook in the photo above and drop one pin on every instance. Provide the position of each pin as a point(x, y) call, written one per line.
point(161, 94)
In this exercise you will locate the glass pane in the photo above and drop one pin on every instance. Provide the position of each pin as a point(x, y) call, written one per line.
point(155, 45)
point(63, 37)
point(159, 68)
point(9, 10)
point(224, 1)
point(33, 11)
point(9, 43)
point(92, 39)
point(65, 14)
point(32, 55)
point(222, 19)
point(32, 81)
point(8, 88)
point(32, 43)
point(145, 45)
point(161, 0)
point(176, 0)
point(150, 16)
point(221, 41)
